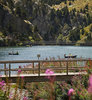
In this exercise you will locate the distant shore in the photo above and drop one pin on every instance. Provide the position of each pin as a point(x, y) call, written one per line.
point(58, 43)
point(50, 43)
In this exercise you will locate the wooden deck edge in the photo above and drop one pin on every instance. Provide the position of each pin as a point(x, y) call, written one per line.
point(38, 78)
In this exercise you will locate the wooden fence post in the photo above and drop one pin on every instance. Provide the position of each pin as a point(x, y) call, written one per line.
point(9, 70)
point(5, 68)
point(39, 69)
point(60, 64)
point(67, 68)
point(33, 67)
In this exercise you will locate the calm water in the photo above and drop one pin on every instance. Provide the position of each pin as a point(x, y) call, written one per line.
point(30, 53)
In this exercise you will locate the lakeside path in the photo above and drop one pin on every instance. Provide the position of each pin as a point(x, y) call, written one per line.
point(42, 77)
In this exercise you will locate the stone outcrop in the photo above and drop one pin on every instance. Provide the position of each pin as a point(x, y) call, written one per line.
point(11, 23)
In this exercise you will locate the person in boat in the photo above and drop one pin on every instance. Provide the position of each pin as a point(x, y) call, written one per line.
point(70, 54)
point(12, 53)
point(17, 53)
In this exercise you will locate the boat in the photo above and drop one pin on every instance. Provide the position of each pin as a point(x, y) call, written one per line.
point(12, 53)
point(70, 56)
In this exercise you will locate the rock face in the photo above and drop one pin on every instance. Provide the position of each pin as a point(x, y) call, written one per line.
point(11, 23)
point(42, 20)
point(14, 27)
point(35, 20)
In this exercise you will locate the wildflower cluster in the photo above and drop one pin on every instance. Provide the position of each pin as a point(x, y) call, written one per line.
point(2, 83)
point(50, 75)
point(79, 88)
point(10, 91)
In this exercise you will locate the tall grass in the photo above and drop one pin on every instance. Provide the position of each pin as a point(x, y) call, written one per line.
point(78, 88)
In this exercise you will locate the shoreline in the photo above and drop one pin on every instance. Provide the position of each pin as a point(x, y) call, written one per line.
point(85, 44)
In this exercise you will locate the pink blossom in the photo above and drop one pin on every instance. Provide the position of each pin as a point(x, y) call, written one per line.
point(25, 98)
point(19, 66)
point(90, 84)
point(2, 83)
point(22, 77)
point(0, 75)
point(90, 80)
point(50, 75)
point(3, 88)
point(19, 71)
point(49, 72)
point(10, 95)
point(90, 89)
point(70, 92)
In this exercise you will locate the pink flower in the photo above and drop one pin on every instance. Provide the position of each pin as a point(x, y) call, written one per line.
point(70, 92)
point(19, 66)
point(90, 80)
point(22, 77)
point(90, 90)
point(10, 95)
point(25, 98)
point(90, 84)
point(0, 75)
point(49, 74)
point(19, 71)
point(2, 83)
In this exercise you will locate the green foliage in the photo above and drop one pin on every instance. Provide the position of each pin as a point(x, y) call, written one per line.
point(51, 90)
point(2, 95)
point(78, 83)
point(51, 2)
point(90, 28)
point(60, 38)
point(31, 39)
point(74, 35)
point(62, 90)
point(47, 19)
point(1, 34)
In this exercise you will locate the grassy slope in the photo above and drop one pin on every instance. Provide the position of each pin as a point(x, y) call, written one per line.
point(84, 36)
point(78, 4)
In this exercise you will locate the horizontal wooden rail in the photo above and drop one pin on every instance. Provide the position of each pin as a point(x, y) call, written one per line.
point(35, 69)
point(36, 61)
point(41, 67)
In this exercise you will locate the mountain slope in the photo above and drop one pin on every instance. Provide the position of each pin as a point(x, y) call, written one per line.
point(48, 20)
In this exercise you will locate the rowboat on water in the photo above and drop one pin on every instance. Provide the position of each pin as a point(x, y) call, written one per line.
point(70, 56)
point(12, 53)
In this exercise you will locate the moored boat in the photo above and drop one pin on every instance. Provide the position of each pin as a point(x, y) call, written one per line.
point(12, 53)
point(70, 56)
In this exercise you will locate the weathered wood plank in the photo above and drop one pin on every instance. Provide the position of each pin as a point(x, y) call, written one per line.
point(42, 77)
point(36, 61)
point(9, 70)
point(38, 69)
point(44, 68)
point(5, 68)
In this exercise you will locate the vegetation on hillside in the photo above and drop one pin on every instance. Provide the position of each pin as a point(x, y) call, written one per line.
point(78, 88)
point(45, 20)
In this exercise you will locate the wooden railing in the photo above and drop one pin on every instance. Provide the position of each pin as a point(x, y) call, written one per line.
point(65, 65)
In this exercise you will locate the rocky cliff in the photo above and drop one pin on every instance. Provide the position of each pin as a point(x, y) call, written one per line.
point(23, 21)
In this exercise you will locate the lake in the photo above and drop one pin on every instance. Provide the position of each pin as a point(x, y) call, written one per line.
point(30, 53)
